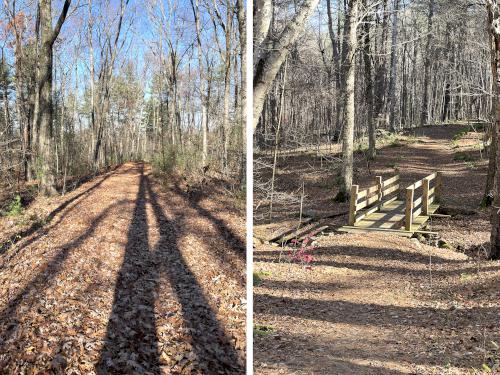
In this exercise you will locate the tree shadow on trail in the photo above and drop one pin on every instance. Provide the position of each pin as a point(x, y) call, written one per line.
point(131, 342)
point(43, 279)
point(333, 355)
point(215, 353)
point(234, 241)
point(230, 256)
point(4, 247)
point(346, 312)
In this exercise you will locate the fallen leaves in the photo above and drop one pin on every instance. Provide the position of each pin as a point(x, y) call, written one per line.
point(71, 302)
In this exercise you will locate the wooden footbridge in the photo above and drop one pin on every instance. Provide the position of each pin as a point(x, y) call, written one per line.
point(377, 208)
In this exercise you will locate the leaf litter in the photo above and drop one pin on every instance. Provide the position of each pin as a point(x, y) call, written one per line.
point(129, 277)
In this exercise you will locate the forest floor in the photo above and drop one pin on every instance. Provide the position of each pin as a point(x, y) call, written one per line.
point(374, 303)
point(124, 275)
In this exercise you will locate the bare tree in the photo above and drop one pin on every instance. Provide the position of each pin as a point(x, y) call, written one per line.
point(368, 84)
point(494, 26)
point(424, 114)
point(109, 48)
point(44, 89)
point(269, 61)
point(393, 76)
point(202, 89)
point(240, 14)
point(350, 106)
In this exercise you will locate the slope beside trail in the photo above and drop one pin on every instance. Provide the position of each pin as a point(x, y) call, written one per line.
point(126, 276)
point(378, 304)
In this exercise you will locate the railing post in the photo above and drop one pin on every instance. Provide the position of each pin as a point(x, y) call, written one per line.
point(425, 196)
point(352, 204)
point(409, 208)
point(378, 180)
point(437, 188)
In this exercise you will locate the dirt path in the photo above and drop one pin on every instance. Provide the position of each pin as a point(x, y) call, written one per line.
point(126, 276)
point(378, 304)
point(373, 305)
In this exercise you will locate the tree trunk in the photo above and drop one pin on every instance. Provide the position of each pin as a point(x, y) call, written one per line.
point(380, 75)
point(494, 18)
point(5, 97)
point(44, 90)
point(336, 58)
point(348, 136)
point(445, 115)
point(424, 114)
point(104, 81)
point(203, 95)
point(93, 109)
point(490, 176)
point(243, 72)
point(227, 89)
point(488, 196)
point(270, 62)
point(369, 89)
point(393, 76)
point(262, 15)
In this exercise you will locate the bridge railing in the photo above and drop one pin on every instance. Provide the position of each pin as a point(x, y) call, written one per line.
point(369, 200)
point(414, 206)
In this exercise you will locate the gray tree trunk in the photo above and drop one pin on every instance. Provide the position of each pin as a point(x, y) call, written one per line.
point(5, 98)
point(335, 57)
point(270, 62)
point(262, 15)
point(424, 114)
point(380, 74)
point(369, 88)
point(240, 13)
point(44, 88)
point(350, 80)
point(203, 95)
point(227, 88)
point(494, 18)
point(392, 80)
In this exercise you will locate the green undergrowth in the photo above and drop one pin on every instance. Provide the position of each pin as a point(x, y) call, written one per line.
point(463, 156)
point(15, 207)
point(258, 277)
point(262, 330)
point(461, 133)
point(172, 160)
point(396, 143)
point(492, 363)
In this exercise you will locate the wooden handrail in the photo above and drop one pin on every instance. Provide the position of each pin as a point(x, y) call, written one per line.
point(372, 195)
point(429, 195)
point(372, 198)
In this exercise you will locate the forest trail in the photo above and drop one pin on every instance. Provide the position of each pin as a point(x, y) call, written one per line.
point(375, 303)
point(126, 276)
point(414, 155)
